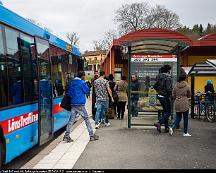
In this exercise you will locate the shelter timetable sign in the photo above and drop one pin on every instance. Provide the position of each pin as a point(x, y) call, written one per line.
point(153, 58)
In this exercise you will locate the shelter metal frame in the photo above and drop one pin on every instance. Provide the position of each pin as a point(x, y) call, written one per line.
point(151, 46)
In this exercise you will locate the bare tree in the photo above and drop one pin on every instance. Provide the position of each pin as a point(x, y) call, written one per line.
point(131, 17)
point(135, 16)
point(105, 43)
point(98, 45)
point(73, 38)
point(161, 17)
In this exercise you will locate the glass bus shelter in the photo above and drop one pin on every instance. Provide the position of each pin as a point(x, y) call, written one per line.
point(145, 58)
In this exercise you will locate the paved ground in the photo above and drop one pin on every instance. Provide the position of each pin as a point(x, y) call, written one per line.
point(120, 148)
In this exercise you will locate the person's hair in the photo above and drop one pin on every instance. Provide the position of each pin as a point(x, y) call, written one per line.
point(123, 78)
point(181, 65)
point(102, 73)
point(165, 68)
point(80, 74)
point(96, 76)
point(106, 77)
point(182, 78)
point(111, 77)
point(209, 82)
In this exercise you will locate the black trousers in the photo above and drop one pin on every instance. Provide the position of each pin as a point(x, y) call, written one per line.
point(93, 111)
point(121, 109)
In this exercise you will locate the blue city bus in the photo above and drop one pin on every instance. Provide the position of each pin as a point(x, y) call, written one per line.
point(35, 69)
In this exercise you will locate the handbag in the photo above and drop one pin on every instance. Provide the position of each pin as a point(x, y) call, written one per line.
point(115, 96)
point(66, 103)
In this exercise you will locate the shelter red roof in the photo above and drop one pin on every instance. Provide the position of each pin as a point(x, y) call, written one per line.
point(153, 33)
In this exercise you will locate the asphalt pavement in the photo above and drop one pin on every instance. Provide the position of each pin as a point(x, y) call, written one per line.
point(145, 148)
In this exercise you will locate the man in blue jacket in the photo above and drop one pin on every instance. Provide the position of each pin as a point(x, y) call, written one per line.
point(77, 91)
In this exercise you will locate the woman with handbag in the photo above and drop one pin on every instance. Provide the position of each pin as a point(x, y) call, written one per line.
point(122, 89)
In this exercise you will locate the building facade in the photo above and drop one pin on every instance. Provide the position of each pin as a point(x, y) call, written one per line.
point(93, 61)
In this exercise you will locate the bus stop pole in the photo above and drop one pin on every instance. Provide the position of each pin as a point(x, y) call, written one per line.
point(192, 96)
point(178, 72)
point(129, 88)
point(178, 61)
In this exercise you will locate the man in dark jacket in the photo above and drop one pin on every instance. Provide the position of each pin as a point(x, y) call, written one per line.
point(77, 91)
point(163, 86)
point(134, 96)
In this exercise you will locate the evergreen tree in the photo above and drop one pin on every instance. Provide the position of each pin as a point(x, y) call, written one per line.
point(208, 29)
point(201, 29)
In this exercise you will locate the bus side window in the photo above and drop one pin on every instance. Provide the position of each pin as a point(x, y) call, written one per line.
point(14, 67)
point(3, 74)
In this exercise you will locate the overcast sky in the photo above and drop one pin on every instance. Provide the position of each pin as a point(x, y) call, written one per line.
point(91, 18)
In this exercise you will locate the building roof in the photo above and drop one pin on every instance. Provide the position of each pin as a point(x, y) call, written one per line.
point(158, 33)
point(94, 53)
point(208, 40)
point(207, 68)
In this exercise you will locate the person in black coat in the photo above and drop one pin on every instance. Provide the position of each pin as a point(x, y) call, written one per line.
point(134, 96)
point(112, 105)
point(94, 109)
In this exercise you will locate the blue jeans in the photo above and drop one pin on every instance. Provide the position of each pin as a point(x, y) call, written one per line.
point(134, 108)
point(81, 111)
point(166, 104)
point(102, 107)
point(178, 119)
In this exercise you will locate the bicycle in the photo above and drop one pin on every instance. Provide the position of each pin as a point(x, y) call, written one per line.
point(199, 107)
point(210, 106)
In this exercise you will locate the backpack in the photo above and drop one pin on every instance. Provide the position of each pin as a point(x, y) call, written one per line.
point(160, 87)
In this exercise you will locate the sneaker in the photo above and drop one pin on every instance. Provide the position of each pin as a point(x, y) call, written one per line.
point(67, 139)
point(166, 130)
point(170, 131)
point(97, 126)
point(158, 127)
point(102, 121)
point(107, 124)
point(94, 137)
point(186, 134)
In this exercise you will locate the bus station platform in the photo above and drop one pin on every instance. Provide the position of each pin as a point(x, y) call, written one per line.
point(135, 148)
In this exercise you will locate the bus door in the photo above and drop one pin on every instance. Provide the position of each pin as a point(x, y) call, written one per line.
point(45, 120)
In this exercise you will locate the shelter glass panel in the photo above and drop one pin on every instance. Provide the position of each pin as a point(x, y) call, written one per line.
point(145, 108)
